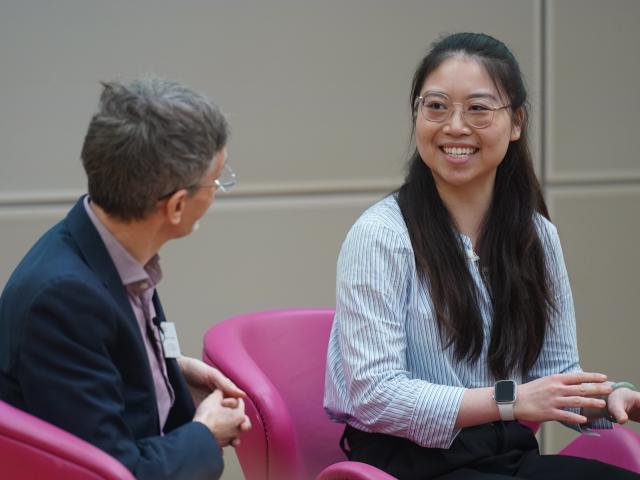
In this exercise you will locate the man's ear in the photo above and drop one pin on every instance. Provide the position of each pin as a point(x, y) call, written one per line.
point(174, 207)
point(516, 124)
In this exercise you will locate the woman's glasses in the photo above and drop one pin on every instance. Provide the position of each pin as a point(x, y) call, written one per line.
point(439, 108)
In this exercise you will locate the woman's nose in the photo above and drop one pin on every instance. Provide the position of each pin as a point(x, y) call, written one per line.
point(457, 122)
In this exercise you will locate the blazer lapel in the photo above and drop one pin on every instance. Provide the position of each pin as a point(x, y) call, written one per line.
point(97, 257)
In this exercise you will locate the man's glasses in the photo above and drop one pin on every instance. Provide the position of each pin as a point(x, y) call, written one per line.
point(225, 182)
point(439, 108)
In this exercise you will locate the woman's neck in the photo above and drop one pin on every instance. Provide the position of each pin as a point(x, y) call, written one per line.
point(468, 208)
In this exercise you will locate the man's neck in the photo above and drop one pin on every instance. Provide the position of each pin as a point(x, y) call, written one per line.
point(141, 238)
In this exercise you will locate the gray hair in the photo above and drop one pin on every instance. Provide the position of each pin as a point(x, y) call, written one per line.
point(149, 139)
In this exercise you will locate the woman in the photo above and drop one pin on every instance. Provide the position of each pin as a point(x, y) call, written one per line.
point(454, 312)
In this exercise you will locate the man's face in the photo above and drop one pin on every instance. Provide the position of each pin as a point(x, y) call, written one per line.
point(197, 204)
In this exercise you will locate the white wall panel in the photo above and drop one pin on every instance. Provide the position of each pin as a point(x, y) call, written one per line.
point(252, 255)
point(249, 254)
point(600, 232)
point(19, 229)
point(593, 90)
point(316, 92)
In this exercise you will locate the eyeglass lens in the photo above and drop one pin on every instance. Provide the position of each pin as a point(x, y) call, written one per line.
point(226, 180)
point(439, 109)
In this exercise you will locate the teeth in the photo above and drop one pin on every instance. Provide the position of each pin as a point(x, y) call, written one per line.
point(459, 150)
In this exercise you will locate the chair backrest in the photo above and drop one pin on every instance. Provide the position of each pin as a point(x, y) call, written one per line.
point(32, 448)
point(278, 357)
point(619, 446)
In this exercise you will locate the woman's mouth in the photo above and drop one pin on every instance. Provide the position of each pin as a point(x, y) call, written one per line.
point(459, 154)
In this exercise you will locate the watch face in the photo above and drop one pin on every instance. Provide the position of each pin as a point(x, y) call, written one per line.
point(505, 391)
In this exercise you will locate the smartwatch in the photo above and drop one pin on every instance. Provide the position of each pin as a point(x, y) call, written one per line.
point(504, 393)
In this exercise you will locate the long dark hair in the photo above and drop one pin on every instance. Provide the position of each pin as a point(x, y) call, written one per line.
point(512, 257)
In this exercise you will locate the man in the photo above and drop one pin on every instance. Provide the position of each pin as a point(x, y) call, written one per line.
point(80, 319)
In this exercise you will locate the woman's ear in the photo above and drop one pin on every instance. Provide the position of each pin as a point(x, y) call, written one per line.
point(516, 124)
point(174, 207)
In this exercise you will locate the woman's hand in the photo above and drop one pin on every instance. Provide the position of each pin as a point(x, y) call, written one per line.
point(624, 405)
point(546, 398)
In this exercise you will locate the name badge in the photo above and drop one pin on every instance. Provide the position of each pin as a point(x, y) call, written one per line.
point(170, 340)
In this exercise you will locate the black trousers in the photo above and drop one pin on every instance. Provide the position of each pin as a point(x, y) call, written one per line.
point(497, 451)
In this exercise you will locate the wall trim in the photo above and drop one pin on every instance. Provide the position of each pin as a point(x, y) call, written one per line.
point(26, 198)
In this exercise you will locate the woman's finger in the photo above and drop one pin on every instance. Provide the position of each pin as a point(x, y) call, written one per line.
point(588, 389)
point(581, 377)
point(581, 402)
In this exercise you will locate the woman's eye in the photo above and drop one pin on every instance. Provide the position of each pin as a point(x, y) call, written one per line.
point(478, 107)
point(433, 105)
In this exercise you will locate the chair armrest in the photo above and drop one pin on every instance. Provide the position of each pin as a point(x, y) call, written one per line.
point(33, 448)
point(619, 446)
point(353, 471)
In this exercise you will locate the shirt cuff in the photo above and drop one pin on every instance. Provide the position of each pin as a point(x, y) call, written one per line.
point(588, 428)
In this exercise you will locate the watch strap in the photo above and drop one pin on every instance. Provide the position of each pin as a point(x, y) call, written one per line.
point(506, 411)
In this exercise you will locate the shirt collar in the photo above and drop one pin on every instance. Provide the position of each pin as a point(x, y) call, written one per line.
point(468, 248)
point(136, 277)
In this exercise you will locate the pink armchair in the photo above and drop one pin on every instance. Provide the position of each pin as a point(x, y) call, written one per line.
point(620, 446)
point(278, 357)
point(31, 448)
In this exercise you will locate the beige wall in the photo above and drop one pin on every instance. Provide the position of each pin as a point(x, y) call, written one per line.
point(592, 175)
point(316, 94)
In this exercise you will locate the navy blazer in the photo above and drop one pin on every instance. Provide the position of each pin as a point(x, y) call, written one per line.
point(71, 353)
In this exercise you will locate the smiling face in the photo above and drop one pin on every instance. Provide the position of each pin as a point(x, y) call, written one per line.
point(463, 158)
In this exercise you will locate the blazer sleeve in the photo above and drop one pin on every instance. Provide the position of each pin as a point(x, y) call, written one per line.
point(70, 376)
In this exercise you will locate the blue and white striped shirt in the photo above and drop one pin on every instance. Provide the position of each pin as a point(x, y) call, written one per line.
point(387, 369)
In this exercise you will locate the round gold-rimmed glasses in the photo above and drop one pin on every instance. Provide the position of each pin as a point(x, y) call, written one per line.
point(477, 112)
